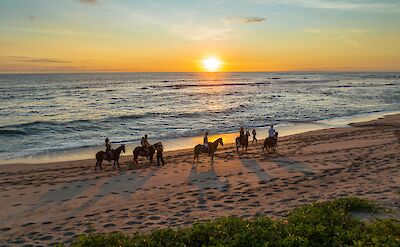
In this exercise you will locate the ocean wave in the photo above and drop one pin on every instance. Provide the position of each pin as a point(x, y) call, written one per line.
point(181, 86)
point(11, 132)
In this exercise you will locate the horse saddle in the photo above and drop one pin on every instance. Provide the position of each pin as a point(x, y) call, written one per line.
point(107, 155)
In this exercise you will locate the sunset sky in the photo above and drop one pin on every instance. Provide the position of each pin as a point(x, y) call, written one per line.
point(177, 35)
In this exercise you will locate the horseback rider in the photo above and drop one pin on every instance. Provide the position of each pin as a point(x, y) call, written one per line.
point(241, 135)
point(272, 134)
point(206, 143)
point(145, 143)
point(108, 149)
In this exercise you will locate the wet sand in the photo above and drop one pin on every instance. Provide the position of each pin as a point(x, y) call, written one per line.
point(47, 203)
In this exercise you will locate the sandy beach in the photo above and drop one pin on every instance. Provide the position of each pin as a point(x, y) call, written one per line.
point(52, 203)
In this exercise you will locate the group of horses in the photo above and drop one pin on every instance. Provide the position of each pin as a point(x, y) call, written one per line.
point(243, 141)
point(114, 155)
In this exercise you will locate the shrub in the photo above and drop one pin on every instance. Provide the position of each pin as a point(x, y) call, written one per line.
point(319, 224)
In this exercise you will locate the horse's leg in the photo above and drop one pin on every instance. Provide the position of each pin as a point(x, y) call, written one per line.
point(136, 160)
point(95, 166)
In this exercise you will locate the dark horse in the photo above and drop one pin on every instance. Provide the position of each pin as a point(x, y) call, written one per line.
point(141, 151)
point(202, 149)
point(244, 143)
point(271, 143)
point(101, 155)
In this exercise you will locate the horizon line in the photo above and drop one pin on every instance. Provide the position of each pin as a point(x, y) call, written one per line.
point(198, 72)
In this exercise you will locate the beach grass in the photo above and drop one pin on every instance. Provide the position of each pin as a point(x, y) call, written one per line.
point(328, 223)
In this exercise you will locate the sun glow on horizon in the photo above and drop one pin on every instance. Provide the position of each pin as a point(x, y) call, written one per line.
point(211, 64)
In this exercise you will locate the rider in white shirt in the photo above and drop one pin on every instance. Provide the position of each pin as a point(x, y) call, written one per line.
point(272, 132)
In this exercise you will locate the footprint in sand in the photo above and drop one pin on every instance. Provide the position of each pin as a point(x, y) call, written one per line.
point(5, 229)
point(133, 223)
point(154, 217)
point(46, 238)
point(56, 229)
point(67, 234)
point(108, 225)
point(27, 224)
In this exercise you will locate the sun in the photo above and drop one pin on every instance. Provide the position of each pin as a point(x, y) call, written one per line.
point(211, 64)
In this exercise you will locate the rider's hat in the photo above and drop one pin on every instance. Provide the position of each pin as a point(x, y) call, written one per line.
point(206, 133)
point(107, 140)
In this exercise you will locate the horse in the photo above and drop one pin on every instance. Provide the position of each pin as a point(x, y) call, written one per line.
point(270, 143)
point(141, 151)
point(101, 155)
point(244, 143)
point(202, 149)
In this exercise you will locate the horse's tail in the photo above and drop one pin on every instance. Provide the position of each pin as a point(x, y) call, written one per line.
point(135, 155)
point(99, 158)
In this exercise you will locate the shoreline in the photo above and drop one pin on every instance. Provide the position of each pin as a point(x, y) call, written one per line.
point(53, 203)
point(185, 143)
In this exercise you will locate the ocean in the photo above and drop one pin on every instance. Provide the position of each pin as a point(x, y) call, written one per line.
point(42, 114)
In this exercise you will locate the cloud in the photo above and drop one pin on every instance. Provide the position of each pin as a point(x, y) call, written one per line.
point(243, 20)
point(90, 2)
point(37, 60)
point(356, 5)
point(347, 35)
point(333, 31)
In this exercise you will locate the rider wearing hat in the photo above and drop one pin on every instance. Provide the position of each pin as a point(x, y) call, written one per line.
point(205, 141)
point(108, 148)
point(145, 143)
point(241, 132)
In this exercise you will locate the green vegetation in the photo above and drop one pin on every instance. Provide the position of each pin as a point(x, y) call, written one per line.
point(320, 224)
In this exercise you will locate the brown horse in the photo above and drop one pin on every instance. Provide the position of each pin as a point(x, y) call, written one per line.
point(244, 143)
point(202, 149)
point(141, 151)
point(271, 143)
point(101, 155)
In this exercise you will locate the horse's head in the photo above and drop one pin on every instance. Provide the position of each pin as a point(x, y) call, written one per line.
point(221, 141)
point(123, 148)
point(159, 147)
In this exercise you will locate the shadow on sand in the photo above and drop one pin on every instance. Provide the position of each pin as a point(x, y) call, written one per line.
point(206, 180)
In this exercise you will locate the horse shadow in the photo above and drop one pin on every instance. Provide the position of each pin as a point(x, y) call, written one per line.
point(206, 180)
point(253, 166)
point(292, 165)
point(122, 186)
